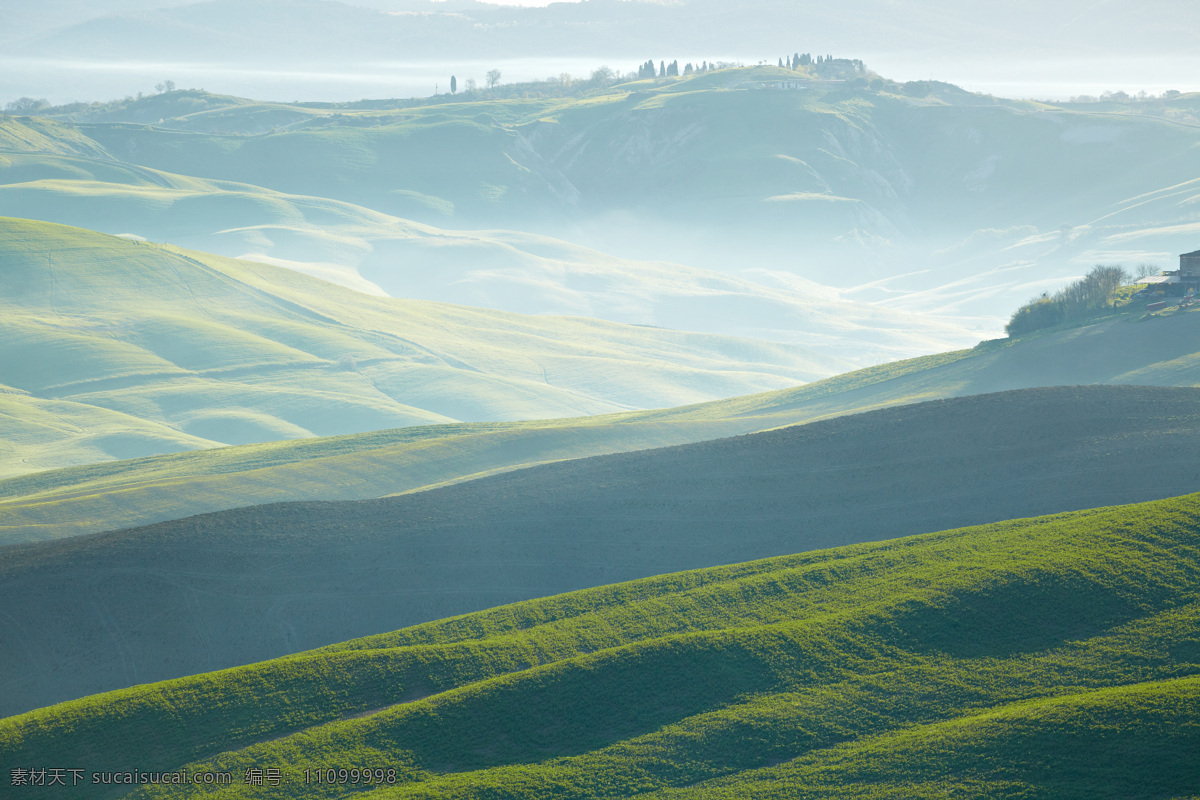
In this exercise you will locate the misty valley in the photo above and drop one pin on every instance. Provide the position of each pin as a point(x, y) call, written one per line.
point(760, 425)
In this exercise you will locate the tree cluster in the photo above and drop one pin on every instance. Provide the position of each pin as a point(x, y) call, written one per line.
point(826, 66)
point(665, 70)
point(1077, 300)
point(1125, 97)
point(26, 105)
point(798, 60)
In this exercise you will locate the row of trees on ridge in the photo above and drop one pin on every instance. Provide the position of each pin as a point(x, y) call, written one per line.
point(671, 70)
point(1080, 299)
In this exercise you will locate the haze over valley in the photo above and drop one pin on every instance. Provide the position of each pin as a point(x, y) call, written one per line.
point(600, 399)
point(844, 228)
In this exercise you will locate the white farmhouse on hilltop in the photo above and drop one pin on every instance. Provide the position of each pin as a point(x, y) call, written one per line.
point(1185, 280)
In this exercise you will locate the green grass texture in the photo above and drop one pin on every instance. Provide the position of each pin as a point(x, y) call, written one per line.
point(101, 332)
point(508, 270)
point(931, 200)
point(1048, 657)
point(1123, 350)
point(715, 149)
point(218, 590)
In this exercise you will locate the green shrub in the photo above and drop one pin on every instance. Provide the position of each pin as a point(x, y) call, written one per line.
point(1077, 300)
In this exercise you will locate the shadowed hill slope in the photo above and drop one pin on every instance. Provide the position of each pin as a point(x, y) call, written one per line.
point(238, 586)
point(1048, 657)
point(1160, 350)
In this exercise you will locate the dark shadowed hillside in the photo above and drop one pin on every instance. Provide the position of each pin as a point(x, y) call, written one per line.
point(243, 585)
point(1054, 657)
point(1160, 350)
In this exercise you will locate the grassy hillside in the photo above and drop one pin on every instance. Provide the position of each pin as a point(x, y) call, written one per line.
point(506, 270)
point(972, 204)
point(1048, 657)
point(195, 110)
point(217, 351)
point(231, 587)
point(1159, 350)
point(913, 201)
point(109, 495)
point(37, 135)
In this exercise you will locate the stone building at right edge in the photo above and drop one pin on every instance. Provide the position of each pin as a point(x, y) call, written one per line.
point(1185, 280)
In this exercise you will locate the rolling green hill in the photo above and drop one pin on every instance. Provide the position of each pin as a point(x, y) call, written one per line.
point(920, 196)
point(37, 135)
point(1160, 350)
point(232, 587)
point(915, 214)
point(117, 348)
point(1048, 657)
point(505, 270)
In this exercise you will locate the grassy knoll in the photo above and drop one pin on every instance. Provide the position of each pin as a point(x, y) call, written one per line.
point(1120, 350)
point(68, 502)
point(506, 270)
point(113, 197)
point(761, 152)
point(929, 198)
point(932, 200)
point(752, 175)
point(231, 587)
point(36, 135)
point(1056, 656)
point(232, 352)
point(195, 110)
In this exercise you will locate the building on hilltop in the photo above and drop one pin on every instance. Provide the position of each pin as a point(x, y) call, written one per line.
point(1189, 266)
point(786, 83)
point(790, 83)
point(1185, 280)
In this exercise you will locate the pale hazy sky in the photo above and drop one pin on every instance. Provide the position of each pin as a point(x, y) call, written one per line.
point(525, 2)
